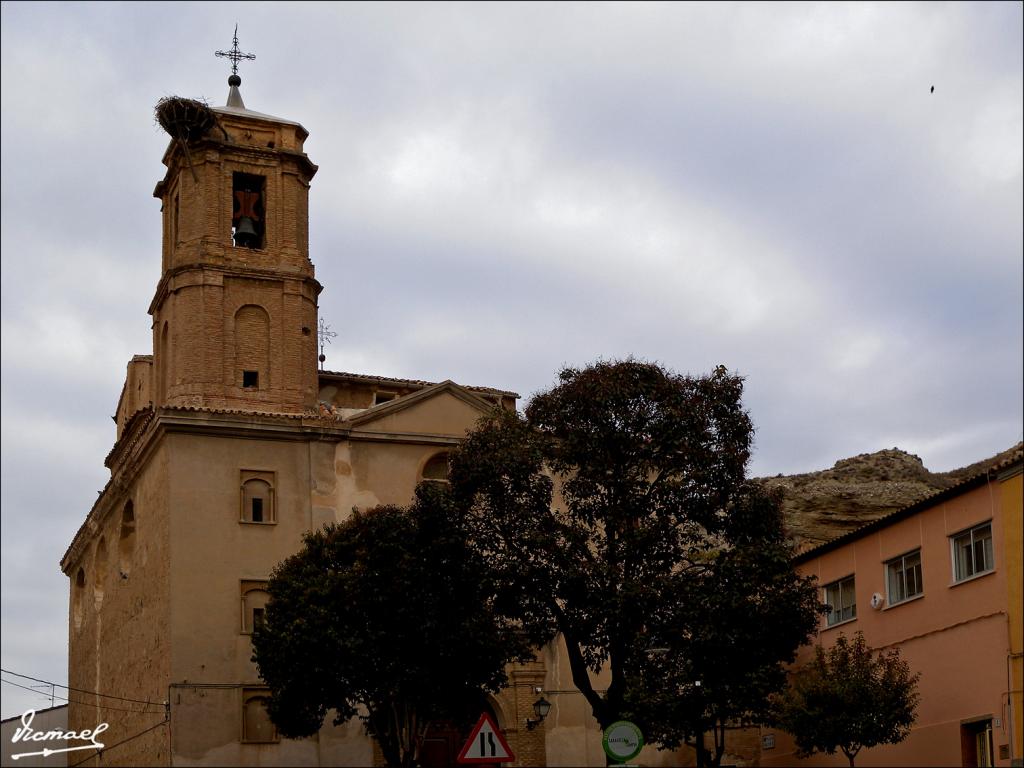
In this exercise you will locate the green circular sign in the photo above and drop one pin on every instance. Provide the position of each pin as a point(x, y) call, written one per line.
point(622, 741)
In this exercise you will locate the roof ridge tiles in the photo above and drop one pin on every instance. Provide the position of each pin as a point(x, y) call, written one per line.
point(414, 382)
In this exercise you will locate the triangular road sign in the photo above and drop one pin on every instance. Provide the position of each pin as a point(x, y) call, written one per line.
point(485, 744)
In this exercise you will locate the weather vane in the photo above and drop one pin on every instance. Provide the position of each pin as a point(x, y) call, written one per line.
point(234, 54)
point(326, 334)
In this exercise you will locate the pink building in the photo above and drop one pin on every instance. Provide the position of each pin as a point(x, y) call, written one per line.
point(940, 580)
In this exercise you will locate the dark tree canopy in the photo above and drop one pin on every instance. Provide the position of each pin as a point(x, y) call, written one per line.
point(741, 618)
point(849, 698)
point(615, 512)
point(386, 616)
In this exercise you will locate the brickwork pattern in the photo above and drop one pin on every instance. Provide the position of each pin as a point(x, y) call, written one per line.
point(207, 279)
point(527, 744)
point(121, 647)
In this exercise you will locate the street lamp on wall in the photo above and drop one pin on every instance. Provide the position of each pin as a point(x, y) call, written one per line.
point(541, 707)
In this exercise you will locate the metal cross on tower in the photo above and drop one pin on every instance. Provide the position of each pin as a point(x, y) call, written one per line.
point(326, 334)
point(234, 54)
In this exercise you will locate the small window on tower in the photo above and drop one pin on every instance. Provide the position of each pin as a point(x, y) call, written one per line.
point(174, 226)
point(251, 379)
point(247, 214)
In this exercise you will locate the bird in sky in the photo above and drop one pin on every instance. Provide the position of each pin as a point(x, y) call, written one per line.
point(933, 89)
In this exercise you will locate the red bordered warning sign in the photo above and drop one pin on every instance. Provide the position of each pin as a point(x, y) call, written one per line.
point(485, 744)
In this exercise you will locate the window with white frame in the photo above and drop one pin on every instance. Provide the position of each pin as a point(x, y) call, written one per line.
point(972, 552)
point(903, 577)
point(842, 601)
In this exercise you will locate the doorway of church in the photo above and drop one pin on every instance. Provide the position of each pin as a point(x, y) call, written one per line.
point(444, 740)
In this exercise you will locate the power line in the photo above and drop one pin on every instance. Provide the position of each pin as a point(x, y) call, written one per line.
point(165, 721)
point(85, 703)
point(83, 690)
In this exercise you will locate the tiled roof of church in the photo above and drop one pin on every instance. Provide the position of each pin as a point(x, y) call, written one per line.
point(409, 382)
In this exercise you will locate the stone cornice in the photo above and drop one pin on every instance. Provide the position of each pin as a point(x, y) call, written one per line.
point(130, 437)
point(257, 273)
point(173, 157)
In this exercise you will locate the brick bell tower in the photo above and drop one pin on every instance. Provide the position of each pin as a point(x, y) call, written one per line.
point(235, 312)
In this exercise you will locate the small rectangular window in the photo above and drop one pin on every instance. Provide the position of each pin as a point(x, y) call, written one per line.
point(257, 617)
point(257, 510)
point(251, 379)
point(842, 601)
point(972, 552)
point(903, 577)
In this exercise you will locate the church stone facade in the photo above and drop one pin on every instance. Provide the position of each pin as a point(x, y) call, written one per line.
point(230, 445)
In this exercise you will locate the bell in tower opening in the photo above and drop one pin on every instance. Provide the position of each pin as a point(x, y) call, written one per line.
point(247, 217)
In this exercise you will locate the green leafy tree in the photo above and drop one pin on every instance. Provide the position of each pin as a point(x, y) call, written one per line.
point(387, 617)
point(651, 510)
point(849, 698)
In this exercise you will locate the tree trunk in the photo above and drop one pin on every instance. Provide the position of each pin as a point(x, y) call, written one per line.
point(718, 732)
point(702, 753)
point(603, 713)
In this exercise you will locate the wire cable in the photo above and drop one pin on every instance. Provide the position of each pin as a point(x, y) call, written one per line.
point(150, 702)
point(86, 703)
point(123, 741)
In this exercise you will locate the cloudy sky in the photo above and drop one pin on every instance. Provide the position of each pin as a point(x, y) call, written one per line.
point(506, 189)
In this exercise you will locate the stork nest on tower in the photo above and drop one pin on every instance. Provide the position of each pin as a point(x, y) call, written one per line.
point(185, 120)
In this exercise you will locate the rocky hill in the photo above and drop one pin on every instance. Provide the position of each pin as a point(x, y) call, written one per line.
point(822, 505)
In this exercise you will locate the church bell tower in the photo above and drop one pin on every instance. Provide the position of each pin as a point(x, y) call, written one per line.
point(235, 311)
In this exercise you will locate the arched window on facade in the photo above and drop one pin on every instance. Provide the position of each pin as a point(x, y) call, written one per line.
point(436, 468)
point(99, 572)
point(256, 724)
point(257, 497)
point(78, 598)
point(252, 347)
point(254, 602)
point(164, 364)
point(126, 540)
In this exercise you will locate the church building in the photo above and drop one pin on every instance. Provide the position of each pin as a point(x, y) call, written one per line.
point(230, 445)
